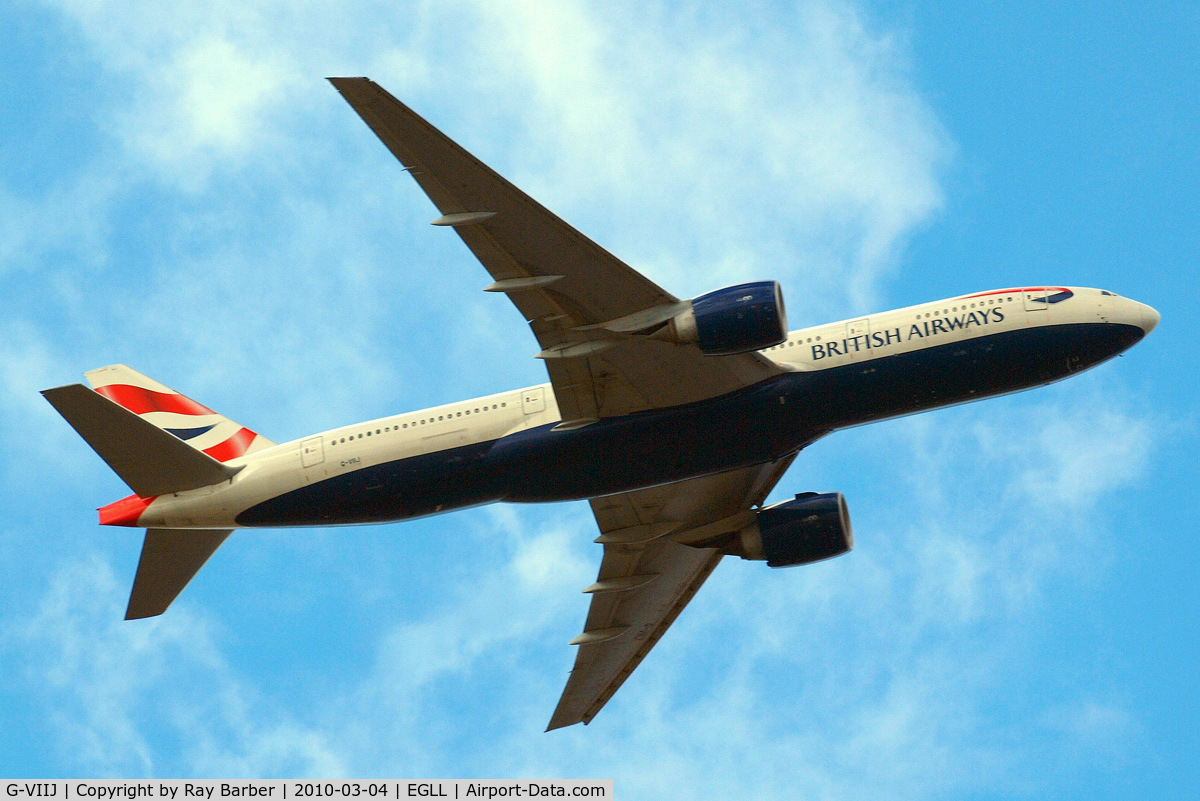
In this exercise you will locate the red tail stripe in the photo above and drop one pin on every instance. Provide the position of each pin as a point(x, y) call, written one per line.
point(233, 447)
point(140, 400)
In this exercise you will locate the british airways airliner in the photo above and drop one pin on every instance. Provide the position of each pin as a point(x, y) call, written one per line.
point(673, 418)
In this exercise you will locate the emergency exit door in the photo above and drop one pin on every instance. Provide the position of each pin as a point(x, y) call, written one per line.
point(533, 400)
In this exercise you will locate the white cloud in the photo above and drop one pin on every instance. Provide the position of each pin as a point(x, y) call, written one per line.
point(211, 96)
point(121, 691)
point(801, 153)
point(718, 147)
point(1088, 729)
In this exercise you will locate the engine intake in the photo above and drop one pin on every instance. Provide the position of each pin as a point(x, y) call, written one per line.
point(736, 319)
point(810, 527)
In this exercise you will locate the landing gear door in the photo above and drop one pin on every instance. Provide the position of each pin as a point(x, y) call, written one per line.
point(533, 400)
point(312, 452)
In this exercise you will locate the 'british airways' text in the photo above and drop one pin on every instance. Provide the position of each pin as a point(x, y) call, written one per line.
point(926, 328)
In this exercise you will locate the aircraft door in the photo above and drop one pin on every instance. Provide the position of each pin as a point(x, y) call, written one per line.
point(533, 400)
point(1036, 299)
point(858, 337)
point(1037, 305)
point(312, 452)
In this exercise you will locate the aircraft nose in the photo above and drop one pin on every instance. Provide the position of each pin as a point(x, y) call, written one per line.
point(1149, 318)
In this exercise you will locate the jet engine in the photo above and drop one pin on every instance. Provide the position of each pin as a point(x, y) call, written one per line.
point(810, 527)
point(736, 319)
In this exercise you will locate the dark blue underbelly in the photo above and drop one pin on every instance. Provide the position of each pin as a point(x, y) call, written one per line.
point(751, 426)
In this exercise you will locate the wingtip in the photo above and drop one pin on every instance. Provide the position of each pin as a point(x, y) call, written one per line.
point(140, 614)
point(562, 723)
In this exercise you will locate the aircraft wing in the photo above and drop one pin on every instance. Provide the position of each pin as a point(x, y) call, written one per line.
point(578, 298)
point(647, 577)
point(585, 306)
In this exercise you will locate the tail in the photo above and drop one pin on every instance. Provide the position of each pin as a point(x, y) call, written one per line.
point(155, 439)
point(198, 426)
point(159, 442)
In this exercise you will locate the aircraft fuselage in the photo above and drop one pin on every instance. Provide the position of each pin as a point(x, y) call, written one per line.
point(506, 447)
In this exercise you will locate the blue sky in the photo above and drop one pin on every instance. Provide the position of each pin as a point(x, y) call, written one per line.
point(181, 191)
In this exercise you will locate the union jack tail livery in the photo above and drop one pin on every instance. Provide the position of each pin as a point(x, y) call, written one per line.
point(195, 424)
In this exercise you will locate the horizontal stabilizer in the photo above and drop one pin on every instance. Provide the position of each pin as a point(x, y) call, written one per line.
point(170, 557)
point(147, 458)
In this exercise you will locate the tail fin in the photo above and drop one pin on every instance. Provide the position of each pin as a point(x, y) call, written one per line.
point(158, 442)
point(198, 426)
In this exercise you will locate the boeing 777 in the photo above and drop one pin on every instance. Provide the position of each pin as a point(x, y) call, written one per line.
point(673, 418)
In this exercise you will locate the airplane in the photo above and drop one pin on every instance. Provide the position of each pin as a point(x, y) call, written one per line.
point(673, 418)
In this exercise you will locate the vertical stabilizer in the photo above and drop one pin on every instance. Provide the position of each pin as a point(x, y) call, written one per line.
point(197, 425)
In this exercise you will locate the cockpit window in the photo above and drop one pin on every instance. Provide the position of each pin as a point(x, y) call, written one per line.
point(1106, 292)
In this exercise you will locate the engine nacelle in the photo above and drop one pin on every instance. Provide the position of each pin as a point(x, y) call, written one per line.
point(736, 319)
point(811, 527)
